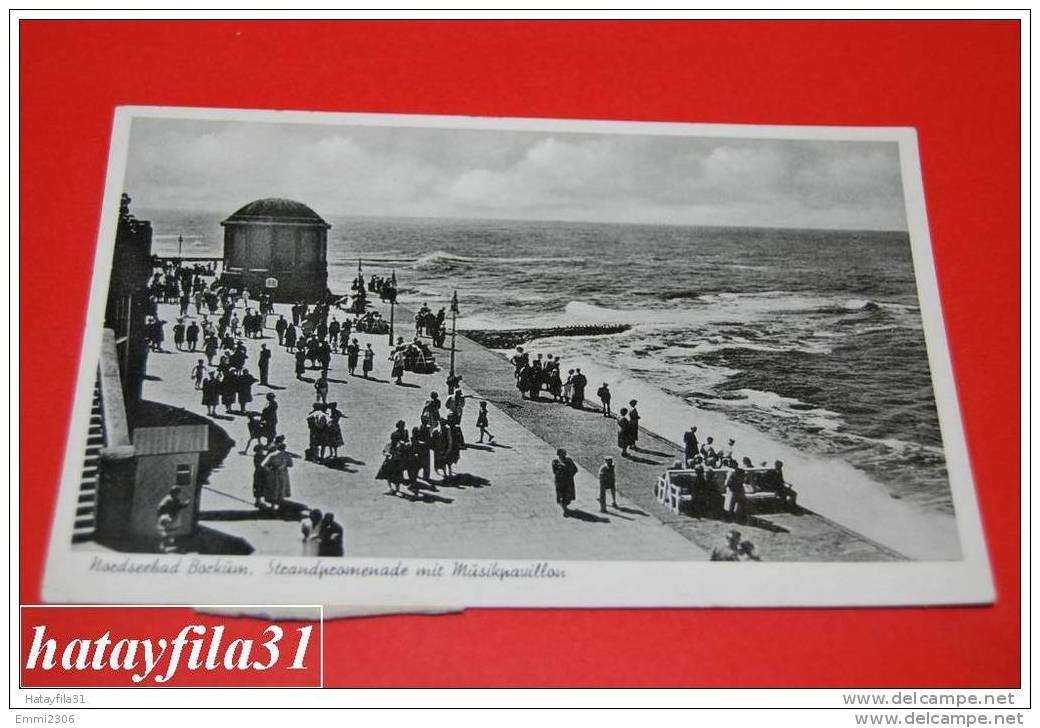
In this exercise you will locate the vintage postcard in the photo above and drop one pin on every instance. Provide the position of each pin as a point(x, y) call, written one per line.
point(437, 362)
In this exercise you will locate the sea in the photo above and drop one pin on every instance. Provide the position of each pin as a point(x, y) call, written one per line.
point(805, 344)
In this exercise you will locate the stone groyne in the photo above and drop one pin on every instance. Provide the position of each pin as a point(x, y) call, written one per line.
point(510, 338)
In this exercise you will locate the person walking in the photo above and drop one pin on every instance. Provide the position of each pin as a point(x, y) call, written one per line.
point(269, 416)
point(198, 373)
point(228, 390)
point(369, 361)
point(482, 423)
point(256, 432)
point(578, 385)
point(633, 417)
point(210, 348)
point(277, 465)
point(353, 351)
point(441, 444)
point(431, 411)
point(178, 334)
point(564, 471)
point(244, 382)
point(259, 475)
point(211, 393)
point(301, 362)
point(321, 388)
point(191, 335)
point(264, 363)
point(604, 399)
point(607, 482)
point(397, 370)
point(334, 434)
point(317, 425)
point(624, 426)
point(289, 340)
point(395, 459)
point(280, 327)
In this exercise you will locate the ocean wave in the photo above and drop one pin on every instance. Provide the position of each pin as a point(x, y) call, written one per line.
point(724, 307)
point(858, 304)
point(811, 417)
point(443, 260)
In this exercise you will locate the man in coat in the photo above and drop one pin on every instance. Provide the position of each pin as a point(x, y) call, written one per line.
point(690, 445)
point(564, 471)
point(279, 327)
point(269, 416)
point(264, 362)
point(245, 382)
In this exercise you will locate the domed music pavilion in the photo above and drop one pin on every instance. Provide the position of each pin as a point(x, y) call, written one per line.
point(277, 246)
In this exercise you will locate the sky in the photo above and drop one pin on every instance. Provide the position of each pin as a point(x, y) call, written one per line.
point(424, 172)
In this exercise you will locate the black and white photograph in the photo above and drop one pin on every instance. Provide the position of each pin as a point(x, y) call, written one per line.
point(391, 360)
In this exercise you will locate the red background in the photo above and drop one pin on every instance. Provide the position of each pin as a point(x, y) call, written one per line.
point(956, 82)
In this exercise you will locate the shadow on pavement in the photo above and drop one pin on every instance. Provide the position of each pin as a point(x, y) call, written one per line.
point(586, 516)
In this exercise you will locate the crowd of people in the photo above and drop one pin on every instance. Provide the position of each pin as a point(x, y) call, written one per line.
point(428, 323)
point(534, 376)
point(385, 288)
point(433, 444)
point(415, 457)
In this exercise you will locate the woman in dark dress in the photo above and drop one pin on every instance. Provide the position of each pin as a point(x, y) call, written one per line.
point(623, 434)
point(228, 390)
point(394, 455)
point(211, 393)
point(368, 361)
point(259, 453)
point(353, 350)
point(564, 471)
point(245, 382)
point(440, 441)
point(333, 432)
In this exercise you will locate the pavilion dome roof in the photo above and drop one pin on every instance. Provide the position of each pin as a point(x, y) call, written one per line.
point(276, 210)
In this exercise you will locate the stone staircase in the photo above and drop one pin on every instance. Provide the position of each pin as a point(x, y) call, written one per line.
point(83, 529)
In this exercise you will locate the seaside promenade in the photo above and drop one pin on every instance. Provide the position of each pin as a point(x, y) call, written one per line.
point(501, 505)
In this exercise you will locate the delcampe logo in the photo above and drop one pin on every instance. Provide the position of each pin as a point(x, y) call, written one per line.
point(170, 647)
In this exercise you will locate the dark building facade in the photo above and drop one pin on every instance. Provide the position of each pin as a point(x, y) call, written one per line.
point(127, 307)
point(277, 246)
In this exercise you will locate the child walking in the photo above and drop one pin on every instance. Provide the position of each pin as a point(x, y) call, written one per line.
point(482, 423)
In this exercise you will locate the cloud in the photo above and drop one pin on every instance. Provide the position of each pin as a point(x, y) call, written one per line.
point(471, 173)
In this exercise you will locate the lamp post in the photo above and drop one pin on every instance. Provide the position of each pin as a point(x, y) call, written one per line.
point(454, 314)
point(393, 302)
point(180, 245)
point(359, 286)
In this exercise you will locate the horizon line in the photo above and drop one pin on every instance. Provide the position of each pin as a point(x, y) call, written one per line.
point(749, 226)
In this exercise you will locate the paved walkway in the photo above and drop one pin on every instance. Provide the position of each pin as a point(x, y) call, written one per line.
point(503, 506)
point(588, 436)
